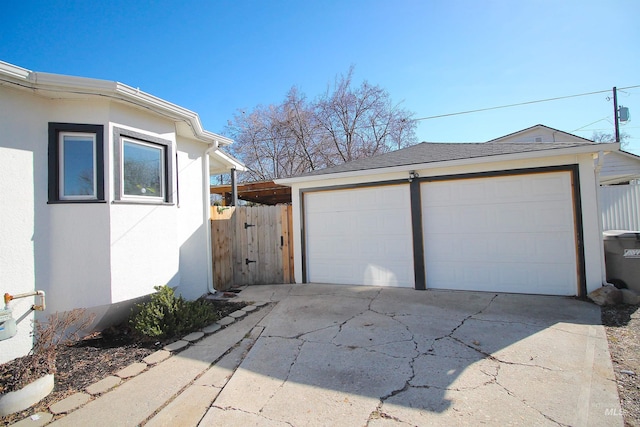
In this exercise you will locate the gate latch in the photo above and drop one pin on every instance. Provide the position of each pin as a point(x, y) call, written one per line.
point(247, 261)
point(248, 225)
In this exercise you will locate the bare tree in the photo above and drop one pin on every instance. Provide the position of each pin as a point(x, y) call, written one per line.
point(610, 137)
point(344, 124)
point(362, 122)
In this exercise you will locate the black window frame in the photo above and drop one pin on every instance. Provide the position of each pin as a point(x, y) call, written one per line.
point(119, 197)
point(55, 129)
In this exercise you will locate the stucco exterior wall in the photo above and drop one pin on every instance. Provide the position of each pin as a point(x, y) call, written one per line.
point(591, 229)
point(192, 220)
point(22, 167)
point(17, 267)
point(99, 256)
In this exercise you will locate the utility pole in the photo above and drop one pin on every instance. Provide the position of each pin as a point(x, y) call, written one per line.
point(615, 113)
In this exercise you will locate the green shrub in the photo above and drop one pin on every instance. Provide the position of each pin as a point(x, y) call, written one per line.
point(166, 315)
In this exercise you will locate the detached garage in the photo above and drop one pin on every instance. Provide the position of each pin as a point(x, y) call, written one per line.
point(499, 217)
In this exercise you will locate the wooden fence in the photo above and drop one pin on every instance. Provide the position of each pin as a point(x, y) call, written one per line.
point(251, 245)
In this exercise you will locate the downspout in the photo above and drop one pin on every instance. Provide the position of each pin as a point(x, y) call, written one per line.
point(206, 214)
point(596, 171)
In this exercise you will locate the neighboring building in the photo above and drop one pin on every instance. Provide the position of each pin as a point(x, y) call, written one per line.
point(617, 166)
point(496, 216)
point(105, 194)
point(541, 133)
point(619, 203)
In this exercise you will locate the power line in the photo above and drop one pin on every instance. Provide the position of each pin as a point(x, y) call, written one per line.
point(520, 103)
point(599, 120)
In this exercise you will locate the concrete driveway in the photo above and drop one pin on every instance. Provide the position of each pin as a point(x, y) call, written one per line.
point(354, 356)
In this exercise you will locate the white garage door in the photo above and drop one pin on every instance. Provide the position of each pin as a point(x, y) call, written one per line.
point(359, 236)
point(505, 234)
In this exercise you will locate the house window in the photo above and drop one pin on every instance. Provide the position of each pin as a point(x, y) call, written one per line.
point(142, 168)
point(76, 163)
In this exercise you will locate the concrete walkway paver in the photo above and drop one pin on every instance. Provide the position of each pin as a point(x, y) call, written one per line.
point(103, 385)
point(188, 408)
point(140, 397)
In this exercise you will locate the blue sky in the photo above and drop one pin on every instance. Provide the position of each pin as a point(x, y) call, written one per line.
point(436, 57)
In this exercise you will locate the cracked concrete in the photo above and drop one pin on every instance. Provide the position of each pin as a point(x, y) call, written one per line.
point(345, 355)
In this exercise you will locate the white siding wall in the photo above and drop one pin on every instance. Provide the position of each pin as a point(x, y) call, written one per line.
point(620, 205)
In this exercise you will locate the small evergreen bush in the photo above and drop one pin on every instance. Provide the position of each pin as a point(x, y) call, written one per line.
point(167, 315)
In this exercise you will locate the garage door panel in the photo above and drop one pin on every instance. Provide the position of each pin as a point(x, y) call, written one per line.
point(522, 278)
point(551, 248)
point(505, 234)
point(498, 190)
point(360, 236)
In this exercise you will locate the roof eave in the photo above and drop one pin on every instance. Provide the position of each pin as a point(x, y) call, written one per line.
point(115, 90)
point(582, 149)
point(229, 160)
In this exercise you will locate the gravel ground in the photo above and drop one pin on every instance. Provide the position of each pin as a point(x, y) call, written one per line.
point(623, 333)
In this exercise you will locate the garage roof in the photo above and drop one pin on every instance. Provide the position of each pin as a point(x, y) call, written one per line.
point(432, 152)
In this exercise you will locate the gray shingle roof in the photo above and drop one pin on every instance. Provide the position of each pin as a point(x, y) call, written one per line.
point(432, 152)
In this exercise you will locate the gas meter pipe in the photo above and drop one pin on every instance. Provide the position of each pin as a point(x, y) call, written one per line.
point(40, 307)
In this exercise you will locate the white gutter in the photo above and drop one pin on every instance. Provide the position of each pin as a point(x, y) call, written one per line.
point(206, 217)
point(72, 85)
point(451, 163)
point(599, 159)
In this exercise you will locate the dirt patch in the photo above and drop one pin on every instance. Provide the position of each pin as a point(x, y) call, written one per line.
point(96, 357)
point(622, 324)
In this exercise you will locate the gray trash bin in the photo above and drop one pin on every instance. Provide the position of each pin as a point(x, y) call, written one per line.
point(622, 258)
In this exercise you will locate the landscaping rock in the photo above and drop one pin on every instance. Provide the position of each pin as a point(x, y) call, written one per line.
point(629, 296)
point(19, 400)
point(606, 295)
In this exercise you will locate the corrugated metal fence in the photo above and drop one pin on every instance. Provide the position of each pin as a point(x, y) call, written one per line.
point(620, 207)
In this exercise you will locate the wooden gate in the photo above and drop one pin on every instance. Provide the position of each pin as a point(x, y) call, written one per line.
point(251, 245)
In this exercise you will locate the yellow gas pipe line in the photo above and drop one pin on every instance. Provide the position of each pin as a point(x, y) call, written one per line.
point(8, 298)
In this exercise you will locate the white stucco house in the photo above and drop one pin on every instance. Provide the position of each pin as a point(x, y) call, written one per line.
point(105, 194)
point(496, 216)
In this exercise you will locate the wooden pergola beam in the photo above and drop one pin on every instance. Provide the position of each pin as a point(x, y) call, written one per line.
point(263, 192)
